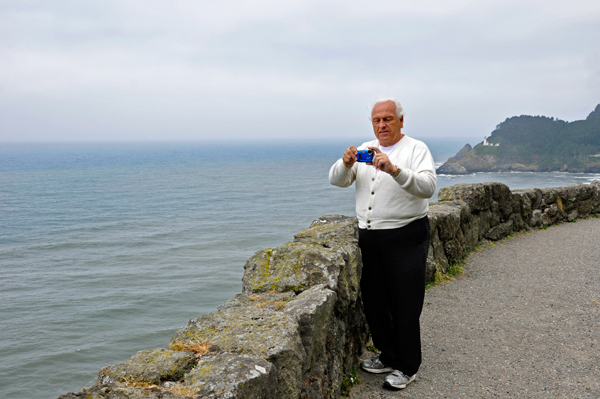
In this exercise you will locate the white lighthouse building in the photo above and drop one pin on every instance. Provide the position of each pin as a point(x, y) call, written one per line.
point(485, 143)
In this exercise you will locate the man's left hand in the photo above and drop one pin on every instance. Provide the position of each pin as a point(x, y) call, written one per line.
point(382, 162)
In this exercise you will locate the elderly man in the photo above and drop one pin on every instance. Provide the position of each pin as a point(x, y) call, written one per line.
point(392, 195)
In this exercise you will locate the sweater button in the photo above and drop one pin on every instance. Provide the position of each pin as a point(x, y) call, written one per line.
point(372, 192)
point(370, 208)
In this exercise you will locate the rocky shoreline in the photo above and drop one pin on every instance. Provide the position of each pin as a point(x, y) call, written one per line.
point(298, 328)
point(467, 162)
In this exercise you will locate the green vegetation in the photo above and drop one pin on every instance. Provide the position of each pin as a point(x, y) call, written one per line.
point(453, 270)
point(349, 381)
point(549, 143)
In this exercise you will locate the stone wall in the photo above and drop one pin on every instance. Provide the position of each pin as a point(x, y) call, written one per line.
point(469, 214)
point(298, 327)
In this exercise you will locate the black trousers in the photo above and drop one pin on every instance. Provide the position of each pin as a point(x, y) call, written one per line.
point(393, 290)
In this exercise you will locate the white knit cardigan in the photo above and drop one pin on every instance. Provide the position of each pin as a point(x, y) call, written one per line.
point(383, 202)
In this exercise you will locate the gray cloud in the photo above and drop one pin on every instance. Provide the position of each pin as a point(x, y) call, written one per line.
point(108, 70)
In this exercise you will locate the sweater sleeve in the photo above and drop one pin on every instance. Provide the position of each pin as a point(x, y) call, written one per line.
point(420, 179)
point(341, 176)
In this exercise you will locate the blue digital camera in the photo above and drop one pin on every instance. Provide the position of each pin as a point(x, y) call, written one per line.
point(365, 156)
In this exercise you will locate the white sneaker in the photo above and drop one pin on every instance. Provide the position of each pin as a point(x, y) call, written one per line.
point(397, 379)
point(374, 365)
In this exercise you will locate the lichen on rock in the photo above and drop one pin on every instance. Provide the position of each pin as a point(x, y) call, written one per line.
point(231, 375)
point(150, 367)
point(299, 325)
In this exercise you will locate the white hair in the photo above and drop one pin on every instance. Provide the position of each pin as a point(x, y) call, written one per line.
point(399, 109)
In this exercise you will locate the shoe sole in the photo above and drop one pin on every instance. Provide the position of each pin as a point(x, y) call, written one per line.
point(400, 386)
point(377, 371)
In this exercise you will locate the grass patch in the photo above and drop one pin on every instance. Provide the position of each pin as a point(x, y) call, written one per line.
point(456, 268)
point(372, 348)
point(477, 247)
point(263, 302)
point(349, 381)
point(184, 390)
point(138, 384)
point(198, 347)
point(453, 270)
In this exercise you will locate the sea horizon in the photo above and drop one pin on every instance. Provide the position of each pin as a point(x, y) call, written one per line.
point(107, 249)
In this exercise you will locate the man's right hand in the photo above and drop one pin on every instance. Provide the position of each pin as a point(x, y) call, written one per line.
point(349, 157)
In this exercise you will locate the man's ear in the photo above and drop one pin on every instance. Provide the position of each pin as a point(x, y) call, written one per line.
point(402, 121)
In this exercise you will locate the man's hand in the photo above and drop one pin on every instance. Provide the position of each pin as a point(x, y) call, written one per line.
point(349, 157)
point(382, 162)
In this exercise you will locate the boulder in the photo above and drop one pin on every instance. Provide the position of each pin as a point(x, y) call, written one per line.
point(549, 196)
point(249, 328)
point(496, 215)
point(432, 266)
point(231, 375)
point(575, 199)
point(150, 367)
point(478, 196)
point(526, 200)
point(452, 167)
point(485, 223)
point(446, 219)
point(456, 248)
point(345, 338)
point(312, 310)
point(550, 214)
point(508, 203)
point(470, 229)
point(595, 197)
point(517, 222)
point(118, 391)
point(341, 234)
point(536, 218)
point(330, 230)
point(439, 261)
point(500, 231)
point(327, 253)
point(293, 266)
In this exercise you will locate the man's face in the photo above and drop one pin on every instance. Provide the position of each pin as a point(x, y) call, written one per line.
point(386, 123)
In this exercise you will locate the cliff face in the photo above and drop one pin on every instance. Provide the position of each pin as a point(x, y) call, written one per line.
point(465, 162)
point(534, 144)
point(298, 327)
point(471, 163)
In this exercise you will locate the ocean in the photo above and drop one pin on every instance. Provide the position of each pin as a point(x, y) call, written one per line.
point(108, 249)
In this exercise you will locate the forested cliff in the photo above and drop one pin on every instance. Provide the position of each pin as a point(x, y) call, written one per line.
point(534, 143)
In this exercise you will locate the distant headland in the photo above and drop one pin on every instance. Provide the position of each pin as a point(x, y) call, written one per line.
point(533, 144)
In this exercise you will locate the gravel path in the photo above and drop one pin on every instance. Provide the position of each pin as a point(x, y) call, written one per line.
point(523, 321)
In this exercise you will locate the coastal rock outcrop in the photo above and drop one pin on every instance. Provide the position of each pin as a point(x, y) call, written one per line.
point(533, 144)
point(150, 367)
point(452, 167)
point(298, 327)
point(465, 164)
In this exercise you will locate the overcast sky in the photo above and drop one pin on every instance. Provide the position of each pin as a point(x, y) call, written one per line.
point(198, 70)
